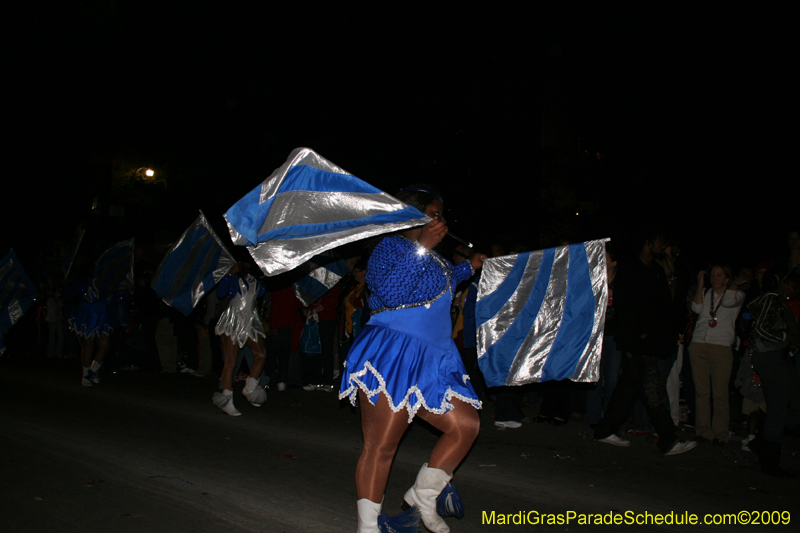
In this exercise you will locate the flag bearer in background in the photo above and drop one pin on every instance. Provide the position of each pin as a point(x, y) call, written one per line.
point(240, 324)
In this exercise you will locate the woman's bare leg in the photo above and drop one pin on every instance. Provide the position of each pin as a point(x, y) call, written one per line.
point(229, 350)
point(259, 356)
point(382, 431)
point(87, 350)
point(460, 427)
point(102, 343)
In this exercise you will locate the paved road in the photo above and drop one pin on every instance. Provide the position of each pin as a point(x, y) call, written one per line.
point(148, 453)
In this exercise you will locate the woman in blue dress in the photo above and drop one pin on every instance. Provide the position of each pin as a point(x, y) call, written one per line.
point(91, 323)
point(404, 363)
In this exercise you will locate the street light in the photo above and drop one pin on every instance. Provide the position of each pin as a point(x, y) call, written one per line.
point(144, 172)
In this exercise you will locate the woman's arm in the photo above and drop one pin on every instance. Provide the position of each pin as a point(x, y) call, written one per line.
point(698, 295)
point(733, 299)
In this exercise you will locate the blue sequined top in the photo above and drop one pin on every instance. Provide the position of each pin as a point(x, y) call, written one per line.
point(403, 274)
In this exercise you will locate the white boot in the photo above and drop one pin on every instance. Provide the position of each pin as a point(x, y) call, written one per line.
point(368, 512)
point(255, 395)
point(430, 482)
point(224, 400)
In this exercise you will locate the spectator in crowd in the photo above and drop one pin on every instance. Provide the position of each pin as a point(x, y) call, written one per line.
point(285, 316)
point(748, 382)
point(711, 351)
point(318, 368)
point(644, 334)
point(776, 335)
point(354, 309)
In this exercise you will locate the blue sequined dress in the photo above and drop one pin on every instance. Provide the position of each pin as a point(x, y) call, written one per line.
point(90, 318)
point(406, 350)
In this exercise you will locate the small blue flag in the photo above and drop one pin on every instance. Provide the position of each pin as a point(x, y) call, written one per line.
point(192, 267)
point(326, 271)
point(17, 293)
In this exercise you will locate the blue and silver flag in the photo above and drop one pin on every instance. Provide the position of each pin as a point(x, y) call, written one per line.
point(541, 314)
point(192, 267)
point(17, 293)
point(113, 271)
point(309, 205)
point(326, 271)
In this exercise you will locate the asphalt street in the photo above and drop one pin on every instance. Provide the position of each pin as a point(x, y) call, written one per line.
point(145, 452)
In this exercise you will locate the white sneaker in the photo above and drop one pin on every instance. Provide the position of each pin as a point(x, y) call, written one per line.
point(310, 387)
point(86, 382)
point(511, 424)
point(615, 440)
point(225, 403)
point(281, 386)
point(682, 447)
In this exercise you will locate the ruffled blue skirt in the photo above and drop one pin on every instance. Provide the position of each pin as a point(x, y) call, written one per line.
point(90, 319)
point(409, 356)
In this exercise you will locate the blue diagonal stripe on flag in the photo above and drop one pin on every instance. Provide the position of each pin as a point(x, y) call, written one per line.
point(192, 266)
point(17, 291)
point(540, 315)
point(309, 205)
point(113, 271)
point(320, 280)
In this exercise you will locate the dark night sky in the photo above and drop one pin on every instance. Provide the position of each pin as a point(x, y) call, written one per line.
point(694, 114)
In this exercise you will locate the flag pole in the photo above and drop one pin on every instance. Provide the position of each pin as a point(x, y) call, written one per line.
point(462, 241)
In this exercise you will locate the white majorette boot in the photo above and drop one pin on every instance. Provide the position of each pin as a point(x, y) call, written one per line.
point(368, 512)
point(430, 482)
point(371, 520)
point(224, 400)
point(255, 395)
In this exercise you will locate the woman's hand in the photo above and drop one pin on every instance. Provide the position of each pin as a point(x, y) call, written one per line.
point(432, 234)
point(701, 278)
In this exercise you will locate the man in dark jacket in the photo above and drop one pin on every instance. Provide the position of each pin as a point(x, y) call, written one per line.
point(645, 333)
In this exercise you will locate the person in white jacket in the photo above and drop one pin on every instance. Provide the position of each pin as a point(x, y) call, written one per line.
point(711, 351)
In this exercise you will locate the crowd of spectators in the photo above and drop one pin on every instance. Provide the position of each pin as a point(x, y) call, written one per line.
point(709, 350)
